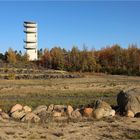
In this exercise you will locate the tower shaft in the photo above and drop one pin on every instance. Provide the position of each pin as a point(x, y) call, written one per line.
point(30, 29)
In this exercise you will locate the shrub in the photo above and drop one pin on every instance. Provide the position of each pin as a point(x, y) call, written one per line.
point(11, 76)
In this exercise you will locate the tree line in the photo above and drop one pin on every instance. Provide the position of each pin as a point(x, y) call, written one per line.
point(13, 58)
point(111, 59)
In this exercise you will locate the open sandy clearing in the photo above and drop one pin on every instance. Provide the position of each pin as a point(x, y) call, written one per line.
point(121, 128)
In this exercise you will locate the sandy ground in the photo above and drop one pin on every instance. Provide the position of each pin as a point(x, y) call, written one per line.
point(121, 128)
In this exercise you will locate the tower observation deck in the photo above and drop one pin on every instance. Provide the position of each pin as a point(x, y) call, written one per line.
point(30, 29)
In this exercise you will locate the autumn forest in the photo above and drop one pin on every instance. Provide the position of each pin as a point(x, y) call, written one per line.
point(111, 59)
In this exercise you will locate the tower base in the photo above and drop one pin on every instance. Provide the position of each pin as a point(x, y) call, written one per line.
point(32, 53)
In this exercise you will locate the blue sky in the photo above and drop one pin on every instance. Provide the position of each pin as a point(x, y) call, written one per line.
point(61, 23)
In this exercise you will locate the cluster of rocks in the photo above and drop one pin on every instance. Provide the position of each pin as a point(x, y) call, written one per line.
point(128, 105)
point(41, 113)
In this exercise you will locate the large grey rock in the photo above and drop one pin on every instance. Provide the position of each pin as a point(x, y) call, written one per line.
point(129, 100)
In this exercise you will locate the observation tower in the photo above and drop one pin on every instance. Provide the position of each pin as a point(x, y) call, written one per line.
point(30, 29)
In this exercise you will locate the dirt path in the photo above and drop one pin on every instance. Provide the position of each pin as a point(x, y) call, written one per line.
point(106, 129)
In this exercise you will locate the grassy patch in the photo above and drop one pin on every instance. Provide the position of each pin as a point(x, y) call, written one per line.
point(75, 99)
point(76, 92)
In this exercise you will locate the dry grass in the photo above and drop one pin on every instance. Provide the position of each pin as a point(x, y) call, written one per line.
point(77, 91)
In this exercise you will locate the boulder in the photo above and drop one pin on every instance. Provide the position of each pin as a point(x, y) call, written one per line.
point(15, 108)
point(98, 113)
point(129, 113)
point(31, 117)
point(69, 110)
point(102, 109)
point(76, 114)
point(87, 112)
point(40, 109)
point(18, 114)
point(101, 112)
point(27, 109)
point(129, 100)
point(102, 104)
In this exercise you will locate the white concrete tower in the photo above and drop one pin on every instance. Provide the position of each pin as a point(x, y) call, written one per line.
point(31, 40)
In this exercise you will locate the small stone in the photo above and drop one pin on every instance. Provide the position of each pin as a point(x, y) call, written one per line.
point(76, 114)
point(56, 114)
point(16, 108)
point(69, 110)
point(112, 113)
point(3, 120)
point(60, 108)
point(50, 108)
point(27, 109)
point(4, 115)
point(88, 112)
point(129, 113)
